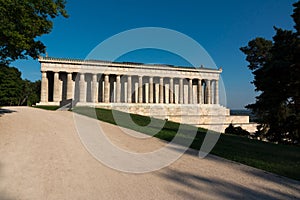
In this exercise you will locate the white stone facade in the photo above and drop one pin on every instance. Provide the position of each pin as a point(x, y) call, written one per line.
point(187, 95)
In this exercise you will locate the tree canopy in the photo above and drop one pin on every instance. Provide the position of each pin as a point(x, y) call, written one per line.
point(16, 91)
point(22, 22)
point(275, 66)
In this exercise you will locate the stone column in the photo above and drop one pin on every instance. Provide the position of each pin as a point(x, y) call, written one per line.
point(176, 93)
point(216, 92)
point(156, 92)
point(146, 92)
point(208, 92)
point(129, 95)
point(44, 87)
point(199, 91)
point(106, 88)
point(95, 89)
point(151, 90)
point(118, 87)
point(69, 86)
point(82, 89)
point(190, 91)
point(56, 87)
point(161, 90)
point(180, 91)
point(140, 91)
point(171, 90)
point(60, 86)
point(167, 94)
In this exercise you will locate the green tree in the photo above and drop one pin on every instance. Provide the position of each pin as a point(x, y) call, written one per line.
point(16, 92)
point(275, 66)
point(10, 85)
point(30, 93)
point(21, 22)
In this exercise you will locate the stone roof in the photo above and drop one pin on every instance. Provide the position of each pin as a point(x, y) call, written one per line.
point(103, 62)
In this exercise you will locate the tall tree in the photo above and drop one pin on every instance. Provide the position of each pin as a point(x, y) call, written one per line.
point(10, 85)
point(16, 92)
point(21, 22)
point(275, 65)
point(30, 93)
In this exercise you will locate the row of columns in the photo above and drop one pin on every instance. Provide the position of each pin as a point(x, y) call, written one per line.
point(164, 92)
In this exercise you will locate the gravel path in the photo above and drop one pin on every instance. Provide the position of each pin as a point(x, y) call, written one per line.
point(42, 157)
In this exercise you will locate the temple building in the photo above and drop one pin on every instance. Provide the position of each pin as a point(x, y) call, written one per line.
point(181, 94)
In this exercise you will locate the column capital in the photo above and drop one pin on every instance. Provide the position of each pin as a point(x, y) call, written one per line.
point(44, 73)
point(95, 77)
point(81, 76)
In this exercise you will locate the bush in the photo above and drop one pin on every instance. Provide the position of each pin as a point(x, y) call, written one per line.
point(236, 130)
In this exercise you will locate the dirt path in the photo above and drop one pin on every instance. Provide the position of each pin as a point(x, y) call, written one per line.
point(41, 157)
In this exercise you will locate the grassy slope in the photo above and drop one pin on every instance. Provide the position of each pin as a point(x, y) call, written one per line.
point(280, 159)
point(47, 107)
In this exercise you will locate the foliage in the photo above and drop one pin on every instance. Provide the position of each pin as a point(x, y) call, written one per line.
point(236, 130)
point(10, 85)
point(14, 90)
point(276, 70)
point(21, 22)
point(30, 92)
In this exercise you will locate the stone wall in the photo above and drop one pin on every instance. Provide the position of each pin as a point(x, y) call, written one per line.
point(213, 117)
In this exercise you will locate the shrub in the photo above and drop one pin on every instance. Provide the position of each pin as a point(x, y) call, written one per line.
point(236, 130)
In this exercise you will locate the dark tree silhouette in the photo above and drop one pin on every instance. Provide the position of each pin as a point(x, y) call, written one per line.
point(276, 70)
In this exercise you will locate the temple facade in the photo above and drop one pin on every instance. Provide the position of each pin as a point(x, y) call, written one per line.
point(180, 94)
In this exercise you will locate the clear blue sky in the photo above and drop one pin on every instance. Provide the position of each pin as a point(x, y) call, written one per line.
point(221, 27)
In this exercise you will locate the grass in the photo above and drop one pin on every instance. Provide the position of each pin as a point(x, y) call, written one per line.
point(47, 107)
point(280, 159)
point(276, 158)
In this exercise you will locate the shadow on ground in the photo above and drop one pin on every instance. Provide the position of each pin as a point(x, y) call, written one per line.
point(5, 111)
point(216, 187)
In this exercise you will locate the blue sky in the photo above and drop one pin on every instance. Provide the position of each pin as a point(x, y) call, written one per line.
point(221, 27)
